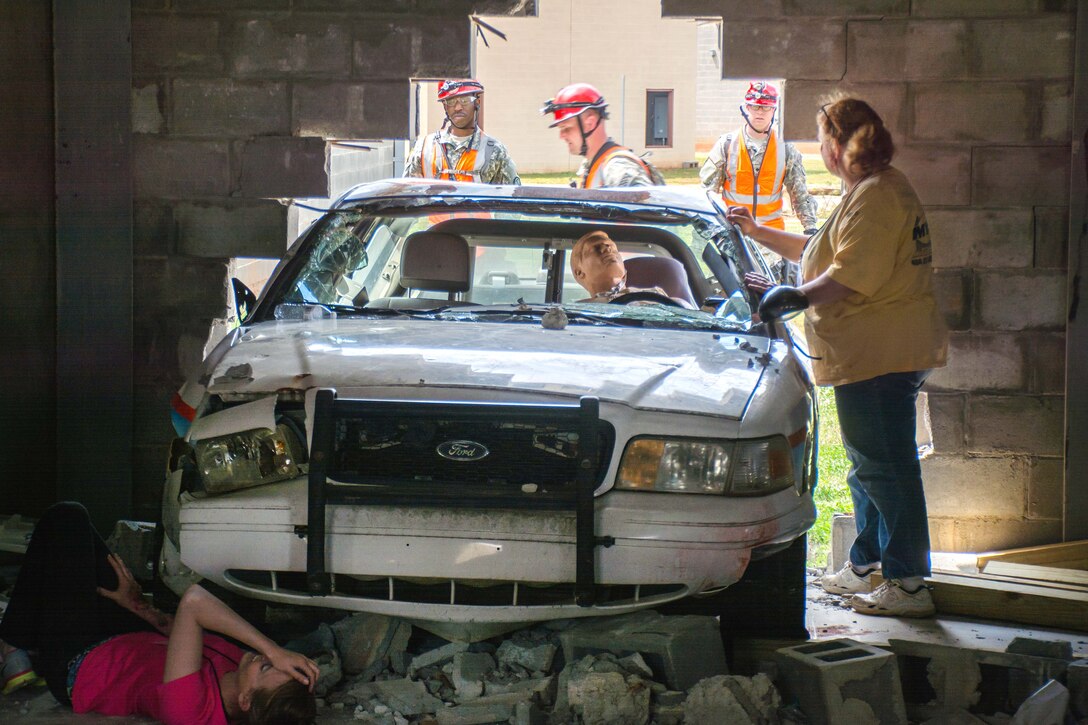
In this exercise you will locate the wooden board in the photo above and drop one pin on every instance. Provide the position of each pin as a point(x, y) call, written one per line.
point(1069, 555)
point(1036, 572)
point(990, 598)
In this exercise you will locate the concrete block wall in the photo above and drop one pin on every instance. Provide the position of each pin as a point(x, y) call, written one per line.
point(232, 106)
point(978, 97)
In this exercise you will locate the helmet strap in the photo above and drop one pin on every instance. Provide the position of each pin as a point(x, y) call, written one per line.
point(748, 120)
point(586, 134)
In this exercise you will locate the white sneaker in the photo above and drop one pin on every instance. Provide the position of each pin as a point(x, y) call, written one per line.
point(847, 581)
point(891, 600)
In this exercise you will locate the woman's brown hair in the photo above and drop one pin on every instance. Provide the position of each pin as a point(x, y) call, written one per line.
point(859, 131)
point(289, 704)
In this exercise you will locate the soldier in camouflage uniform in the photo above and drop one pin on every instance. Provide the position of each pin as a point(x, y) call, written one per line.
point(580, 111)
point(754, 174)
point(460, 150)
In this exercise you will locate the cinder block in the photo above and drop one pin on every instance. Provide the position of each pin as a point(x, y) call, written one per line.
point(1020, 176)
point(953, 290)
point(1076, 679)
point(195, 287)
point(1026, 424)
point(946, 422)
point(842, 681)
point(146, 109)
point(1011, 49)
point(254, 229)
point(981, 237)
point(680, 649)
point(229, 108)
point(385, 110)
point(167, 168)
point(295, 46)
point(134, 542)
point(843, 532)
point(729, 10)
point(961, 678)
point(1045, 490)
point(847, 8)
point(989, 534)
point(1045, 354)
point(972, 8)
point(1051, 236)
point(799, 119)
point(981, 361)
point(803, 49)
point(382, 50)
point(329, 110)
point(977, 487)
point(1025, 300)
point(284, 167)
point(940, 174)
point(1057, 108)
point(174, 43)
point(910, 50)
point(152, 229)
point(443, 47)
point(1002, 112)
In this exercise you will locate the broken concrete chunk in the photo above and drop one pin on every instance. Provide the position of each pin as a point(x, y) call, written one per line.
point(610, 698)
point(1054, 649)
point(469, 671)
point(543, 688)
point(364, 639)
point(437, 656)
point(734, 699)
point(532, 656)
point(407, 697)
point(497, 709)
point(134, 542)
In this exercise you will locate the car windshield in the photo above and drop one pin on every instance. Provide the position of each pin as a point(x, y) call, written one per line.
point(684, 265)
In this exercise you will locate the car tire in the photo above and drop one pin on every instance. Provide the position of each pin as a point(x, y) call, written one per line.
point(767, 603)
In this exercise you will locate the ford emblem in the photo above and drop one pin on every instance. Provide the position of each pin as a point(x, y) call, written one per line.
point(462, 450)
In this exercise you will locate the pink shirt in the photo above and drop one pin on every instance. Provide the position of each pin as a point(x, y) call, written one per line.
point(124, 677)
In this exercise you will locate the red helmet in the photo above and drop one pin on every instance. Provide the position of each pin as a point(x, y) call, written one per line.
point(761, 93)
point(572, 101)
point(454, 88)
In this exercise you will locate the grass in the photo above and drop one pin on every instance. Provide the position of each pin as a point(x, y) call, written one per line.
point(832, 494)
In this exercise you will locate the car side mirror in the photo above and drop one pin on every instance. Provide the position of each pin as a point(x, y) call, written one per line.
point(244, 299)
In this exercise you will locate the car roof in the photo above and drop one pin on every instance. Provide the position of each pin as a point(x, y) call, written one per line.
point(414, 191)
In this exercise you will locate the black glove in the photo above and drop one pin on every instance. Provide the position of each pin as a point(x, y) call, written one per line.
point(781, 300)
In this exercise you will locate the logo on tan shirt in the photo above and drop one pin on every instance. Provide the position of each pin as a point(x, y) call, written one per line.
point(923, 247)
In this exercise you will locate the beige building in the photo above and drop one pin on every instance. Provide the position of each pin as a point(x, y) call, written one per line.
point(662, 78)
point(643, 64)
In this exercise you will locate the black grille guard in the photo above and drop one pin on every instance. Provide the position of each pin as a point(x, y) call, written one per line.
point(584, 417)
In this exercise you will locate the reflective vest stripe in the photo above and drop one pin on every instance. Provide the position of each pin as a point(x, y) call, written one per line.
point(434, 165)
point(740, 187)
point(591, 182)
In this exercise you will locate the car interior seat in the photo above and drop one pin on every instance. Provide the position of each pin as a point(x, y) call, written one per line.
point(664, 272)
point(433, 262)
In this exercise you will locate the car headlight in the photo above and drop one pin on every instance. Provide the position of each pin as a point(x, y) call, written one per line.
point(249, 458)
point(738, 468)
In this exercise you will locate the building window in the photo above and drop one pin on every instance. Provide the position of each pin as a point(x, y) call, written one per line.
point(659, 118)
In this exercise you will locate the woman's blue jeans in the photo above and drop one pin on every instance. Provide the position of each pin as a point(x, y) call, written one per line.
point(877, 420)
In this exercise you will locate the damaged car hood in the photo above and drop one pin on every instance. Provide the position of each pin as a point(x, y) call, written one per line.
point(689, 372)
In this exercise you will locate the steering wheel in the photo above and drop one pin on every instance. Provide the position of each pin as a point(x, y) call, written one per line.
point(644, 296)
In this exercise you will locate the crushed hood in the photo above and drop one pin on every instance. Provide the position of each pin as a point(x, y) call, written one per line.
point(683, 371)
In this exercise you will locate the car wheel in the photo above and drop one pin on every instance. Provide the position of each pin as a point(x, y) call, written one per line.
point(767, 603)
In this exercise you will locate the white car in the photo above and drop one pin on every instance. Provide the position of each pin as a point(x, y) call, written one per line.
point(418, 418)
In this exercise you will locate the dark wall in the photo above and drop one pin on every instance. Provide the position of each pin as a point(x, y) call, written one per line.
point(27, 258)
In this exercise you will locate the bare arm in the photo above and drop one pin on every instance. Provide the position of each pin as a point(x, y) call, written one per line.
point(130, 596)
point(823, 289)
point(199, 611)
point(784, 244)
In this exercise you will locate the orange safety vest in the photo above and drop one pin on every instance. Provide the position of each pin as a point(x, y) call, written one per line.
point(763, 194)
point(434, 164)
point(591, 182)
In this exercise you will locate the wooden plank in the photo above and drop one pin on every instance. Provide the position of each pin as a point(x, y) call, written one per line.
point(1069, 555)
point(978, 576)
point(1004, 601)
point(1036, 572)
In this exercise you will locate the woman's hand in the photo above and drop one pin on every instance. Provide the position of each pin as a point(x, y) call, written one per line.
point(128, 593)
point(302, 668)
point(742, 217)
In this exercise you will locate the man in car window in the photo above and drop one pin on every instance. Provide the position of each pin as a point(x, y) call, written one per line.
point(460, 150)
point(580, 112)
point(596, 264)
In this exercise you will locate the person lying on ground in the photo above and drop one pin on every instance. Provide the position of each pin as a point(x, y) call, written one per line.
point(101, 647)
